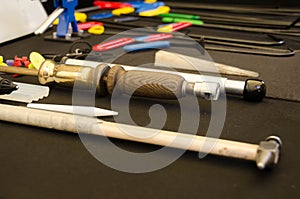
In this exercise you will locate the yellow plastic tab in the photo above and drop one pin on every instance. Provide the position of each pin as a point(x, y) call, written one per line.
point(155, 12)
point(79, 16)
point(55, 22)
point(96, 30)
point(166, 28)
point(123, 11)
point(2, 61)
point(36, 59)
point(150, 1)
point(31, 66)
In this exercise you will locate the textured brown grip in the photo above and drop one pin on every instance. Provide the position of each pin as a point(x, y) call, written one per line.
point(144, 83)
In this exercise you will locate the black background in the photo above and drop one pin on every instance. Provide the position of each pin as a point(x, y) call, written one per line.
point(41, 163)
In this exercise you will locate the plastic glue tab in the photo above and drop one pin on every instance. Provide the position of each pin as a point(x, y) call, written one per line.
point(147, 46)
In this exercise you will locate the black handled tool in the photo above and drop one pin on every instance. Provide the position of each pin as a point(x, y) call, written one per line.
point(7, 86)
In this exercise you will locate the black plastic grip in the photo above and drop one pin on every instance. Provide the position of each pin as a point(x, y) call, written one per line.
point(254, 90)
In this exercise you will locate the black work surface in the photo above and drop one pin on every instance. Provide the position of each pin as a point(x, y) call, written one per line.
point(42, 163)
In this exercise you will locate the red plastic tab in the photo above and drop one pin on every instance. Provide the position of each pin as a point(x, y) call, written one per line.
point(111, 5)
point(180, 25)
point(157, 37)
point(88, 25)
point(113, 44)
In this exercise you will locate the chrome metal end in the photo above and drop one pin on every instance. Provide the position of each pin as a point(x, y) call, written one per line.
point(207, 90)
point(268, 152)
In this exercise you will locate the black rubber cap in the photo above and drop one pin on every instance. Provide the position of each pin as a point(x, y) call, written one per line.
point(255, 90)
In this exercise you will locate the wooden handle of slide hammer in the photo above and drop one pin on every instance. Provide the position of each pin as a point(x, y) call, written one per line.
point(145, 83)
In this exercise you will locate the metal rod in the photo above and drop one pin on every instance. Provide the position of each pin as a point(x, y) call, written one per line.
point(287, 32)
point(207, 38)
point(241, 41)
point(19, 70)
point(266, 154)
point(44, 26)
point(267, 50)
point(231, 8)
point(287, 53)
point(238, 20)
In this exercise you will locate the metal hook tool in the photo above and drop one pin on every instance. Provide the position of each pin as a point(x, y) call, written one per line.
point(247, 49)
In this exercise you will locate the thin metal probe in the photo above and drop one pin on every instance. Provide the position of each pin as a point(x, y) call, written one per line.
point(192, 35)
point(276, 54)
point(242, 41)
point(246, 46)
point(239, 9)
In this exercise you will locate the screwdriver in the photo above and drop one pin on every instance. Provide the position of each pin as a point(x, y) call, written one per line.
point(7, 86)
point(106, 80)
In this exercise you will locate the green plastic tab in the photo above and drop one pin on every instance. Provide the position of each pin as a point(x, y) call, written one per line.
point(178, 15)
point(175, 20)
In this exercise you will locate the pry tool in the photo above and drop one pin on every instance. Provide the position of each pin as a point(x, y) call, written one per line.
point(78, 110)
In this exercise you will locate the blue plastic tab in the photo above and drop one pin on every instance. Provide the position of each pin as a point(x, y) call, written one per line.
point(141, 6)
point(102, 15)
point(151, 6)
point(147, 46)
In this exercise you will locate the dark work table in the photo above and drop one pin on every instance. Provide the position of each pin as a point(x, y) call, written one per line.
point(44, 163)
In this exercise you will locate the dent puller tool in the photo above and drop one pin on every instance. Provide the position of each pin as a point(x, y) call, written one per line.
point(252, 89)
point(106, 80)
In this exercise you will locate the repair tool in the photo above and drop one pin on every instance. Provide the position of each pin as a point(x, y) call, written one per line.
point(142, 6)
point(184, 62)
point(251, 49)
point(265, 154)
point(108, 45)
point(103, 15)
point(251, 89)
point(93, 27)
point(197, 22)
point(235, 45)
point(233, 19)
point(173, 27)
point(65, 11)
point(111, 4)
point(36, 59)
point(104, 5)
point(7, 86)
point(155, 12)
point(2, 61)
point(235, 8)
point(88, 25)
point(96, 30)
point(106, 79)
point(125, 19)
point(179, 15)
point(202, 39)
point(26, 92)
point(78, 110)
point(146, 46)
point(123, 11)
point(115, 43)
point(275, 41)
